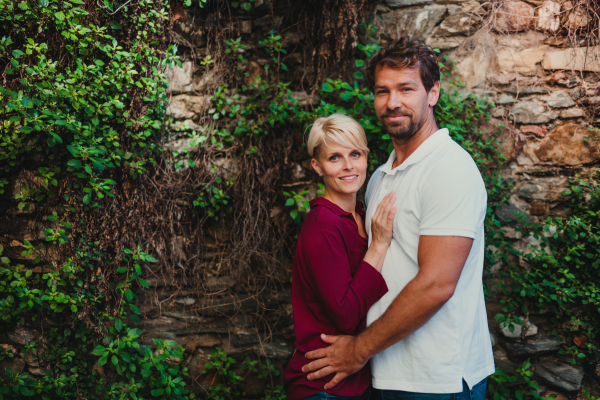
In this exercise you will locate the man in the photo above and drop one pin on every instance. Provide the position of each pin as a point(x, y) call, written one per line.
point(428, 337)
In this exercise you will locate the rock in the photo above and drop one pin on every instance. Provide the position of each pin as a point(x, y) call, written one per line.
point(522, 159)
point(523, 62)
point(180, 78)
point(499, 112)
point(192, 342)
point(533, 346)
point(527, 90)
point(557, 395)
point(549, 16)
point(242, 338)
point(565, 145)
point(558, 99)
point(405, 3)
point(246, 27)
point(577, 18)
point(531, 330)
point(539, 131)
point(185, 106)
point(571, 113)
point(187, 125)
point(506, 214)
point(298, 172)
point(473, 7)
point(459, 23)
point(227, 168)
point(252, 73)
point(539, 208)
point(9, 348)
point(21, 335)
point(418, 23)
point(184, 145)
point(493, 340)
point(529, 112)
point(560, 375)
point(543, 189)
point(30, 359)
point(505, 99)
point(513, 16)
point(186, 301)
point(279, 351)
point(511, 233)
point(16, 365)
point(503, 78)
point(473, 69)
point(444, 43)
point(576, 59)
point(303, 99)
point(37, 371)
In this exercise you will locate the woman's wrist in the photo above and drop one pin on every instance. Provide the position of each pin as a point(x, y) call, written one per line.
point(380, 247)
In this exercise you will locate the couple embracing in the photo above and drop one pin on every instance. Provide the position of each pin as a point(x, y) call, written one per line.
point(409, 266)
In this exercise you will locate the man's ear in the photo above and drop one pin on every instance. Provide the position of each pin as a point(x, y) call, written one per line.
point(434, 94)
point(316, 167)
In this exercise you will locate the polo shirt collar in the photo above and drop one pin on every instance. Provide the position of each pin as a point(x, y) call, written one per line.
point(420, 153)
point(322, 201)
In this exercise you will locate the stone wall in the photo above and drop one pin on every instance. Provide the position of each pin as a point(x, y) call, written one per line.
point(512, 53)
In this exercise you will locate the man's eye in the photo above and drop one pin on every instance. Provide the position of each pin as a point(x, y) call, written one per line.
point(333, 158)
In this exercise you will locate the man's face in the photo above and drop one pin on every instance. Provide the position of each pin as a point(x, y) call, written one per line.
point(401, 102)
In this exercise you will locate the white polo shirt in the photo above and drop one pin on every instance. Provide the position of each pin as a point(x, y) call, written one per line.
point(439, 192)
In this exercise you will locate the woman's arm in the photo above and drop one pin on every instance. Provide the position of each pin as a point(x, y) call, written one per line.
point(345, 298)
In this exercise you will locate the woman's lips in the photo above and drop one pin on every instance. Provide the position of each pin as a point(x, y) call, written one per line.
point(350, 178)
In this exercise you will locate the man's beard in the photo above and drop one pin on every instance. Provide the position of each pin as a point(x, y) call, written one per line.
point(400, 131)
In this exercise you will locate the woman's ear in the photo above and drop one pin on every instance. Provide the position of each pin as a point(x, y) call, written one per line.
point(316, 167)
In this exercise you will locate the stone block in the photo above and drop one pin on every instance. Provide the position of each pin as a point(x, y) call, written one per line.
point(406, 3)
point(527, 90)
point(558, 99)
point(16, 365)
point(513, 16)
point(576, 59)
point(505, 99)
point(21, 334)
point(539, 208)
point(507, 213)
point(559, 374)
point(543, 189)
point(549, 16)
point(577, 16)
point(532, 346)
point(473, 69)
point(532, 330)
point(278, 351)
point(444, 43)
point(529, 112)
point(565, 146)
point(571, 113)
point(537, 130)
point(418, 23)
point(186, 106)
point(460, 23)
point(503, 78)
point(523, 62)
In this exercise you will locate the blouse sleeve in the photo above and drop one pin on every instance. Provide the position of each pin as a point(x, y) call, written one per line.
point(346, 299)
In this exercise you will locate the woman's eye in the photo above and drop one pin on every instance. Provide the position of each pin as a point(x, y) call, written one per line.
point(356, 155)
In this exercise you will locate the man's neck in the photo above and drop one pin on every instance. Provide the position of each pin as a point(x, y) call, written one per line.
point(405, 149)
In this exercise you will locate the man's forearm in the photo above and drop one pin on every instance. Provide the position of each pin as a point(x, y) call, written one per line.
point(420, 299)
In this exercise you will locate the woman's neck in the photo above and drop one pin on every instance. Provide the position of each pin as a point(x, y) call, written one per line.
point(345, 202)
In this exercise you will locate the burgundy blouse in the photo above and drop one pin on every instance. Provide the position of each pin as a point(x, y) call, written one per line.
point(332, 290)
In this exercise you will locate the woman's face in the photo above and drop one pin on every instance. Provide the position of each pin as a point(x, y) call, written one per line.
point(344, 169)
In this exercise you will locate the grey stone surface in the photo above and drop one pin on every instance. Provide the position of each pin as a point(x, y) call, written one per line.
point(406, 3)
point(571, 113)
point(21, 334)
point(533, 346)
point(558, 99)
point(532, 330)
point(560, 375)
point(505, 99)
point(544, 189)
point(527, 90)
point(275, 350)
point(186, 106)
point(418, 23)
point(529, 112)
point(14, 364)
point(460, 23)
point(506, 214)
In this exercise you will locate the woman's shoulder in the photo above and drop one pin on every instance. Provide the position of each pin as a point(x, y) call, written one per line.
point(321, 221)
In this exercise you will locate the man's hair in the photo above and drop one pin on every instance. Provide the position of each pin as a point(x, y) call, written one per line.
point(407, 53)
point(337, 128)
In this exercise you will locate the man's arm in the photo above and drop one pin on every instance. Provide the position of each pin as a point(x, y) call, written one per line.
point(441, 260)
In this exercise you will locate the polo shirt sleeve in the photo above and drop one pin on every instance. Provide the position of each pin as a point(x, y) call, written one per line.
point(346, 299)
point(453, 200)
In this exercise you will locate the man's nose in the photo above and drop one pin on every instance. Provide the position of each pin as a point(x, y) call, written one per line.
point(394, 101)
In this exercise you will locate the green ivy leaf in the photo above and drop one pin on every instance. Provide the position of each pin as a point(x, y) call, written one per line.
point(118, 324)
point(59, 16)
point(327, 88)
point(115, 25)
point(359, 63)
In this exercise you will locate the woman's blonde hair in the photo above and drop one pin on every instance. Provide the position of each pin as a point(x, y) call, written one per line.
point(338, 128)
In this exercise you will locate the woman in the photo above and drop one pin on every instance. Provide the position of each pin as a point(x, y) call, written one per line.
point(336, 276)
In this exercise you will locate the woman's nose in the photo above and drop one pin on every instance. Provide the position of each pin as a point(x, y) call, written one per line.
point(348, 164)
